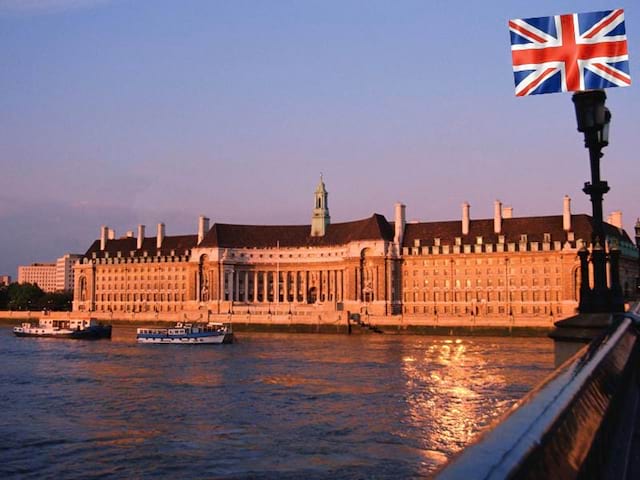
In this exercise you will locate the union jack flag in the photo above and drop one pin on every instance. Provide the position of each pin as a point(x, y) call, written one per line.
point(568, 53)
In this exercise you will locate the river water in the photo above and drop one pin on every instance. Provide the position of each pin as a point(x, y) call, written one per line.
point(271, 406)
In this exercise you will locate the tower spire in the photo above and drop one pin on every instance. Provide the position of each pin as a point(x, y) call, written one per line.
point(320, 219)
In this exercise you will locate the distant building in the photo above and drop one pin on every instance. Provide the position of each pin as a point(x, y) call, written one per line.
point(64, 271)
point(51, 277)
point(5, 279)
point(503, 266)
point(41, 274)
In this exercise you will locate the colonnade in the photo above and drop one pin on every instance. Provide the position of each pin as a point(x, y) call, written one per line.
point(292, 286)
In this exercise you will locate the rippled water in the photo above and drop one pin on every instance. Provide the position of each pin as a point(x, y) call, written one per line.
point(270, 406)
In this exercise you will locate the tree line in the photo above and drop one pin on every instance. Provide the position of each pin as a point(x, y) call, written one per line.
point(29, 296)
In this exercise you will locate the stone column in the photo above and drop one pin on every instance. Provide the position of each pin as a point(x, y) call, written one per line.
point(285, 293)
point(325, 274)
point(92, 302)
point(376, 275)
point(347, 283)
point(265, 286)
point(255, 287)
point(295, 286)
point(246, 287)
point(229, 281)
point(334, 286)
point(327, 288)
point(305, 286)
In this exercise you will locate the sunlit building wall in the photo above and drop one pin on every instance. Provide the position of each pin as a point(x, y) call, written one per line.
point(64, 271)
point(41, 274)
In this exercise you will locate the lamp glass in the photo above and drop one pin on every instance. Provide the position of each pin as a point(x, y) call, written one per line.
point(604, 133)
point(590, 109)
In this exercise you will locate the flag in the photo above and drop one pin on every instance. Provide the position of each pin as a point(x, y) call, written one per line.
point(568, 53)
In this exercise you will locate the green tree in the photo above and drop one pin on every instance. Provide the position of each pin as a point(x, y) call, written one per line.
point(4, 297)
point(25, 296)
point(56, 301)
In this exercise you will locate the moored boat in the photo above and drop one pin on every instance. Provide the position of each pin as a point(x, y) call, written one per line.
point(74, 328)
point(187, 334)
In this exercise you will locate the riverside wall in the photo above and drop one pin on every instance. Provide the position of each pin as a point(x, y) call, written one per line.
point(320, 321)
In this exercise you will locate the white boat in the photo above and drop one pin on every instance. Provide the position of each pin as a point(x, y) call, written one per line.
point(75, 328)
point(187, 334)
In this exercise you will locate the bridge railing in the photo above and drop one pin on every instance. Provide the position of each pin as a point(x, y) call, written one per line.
point(577, 424)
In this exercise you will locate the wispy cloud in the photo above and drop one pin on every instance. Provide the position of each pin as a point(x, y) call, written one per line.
point(34, 7)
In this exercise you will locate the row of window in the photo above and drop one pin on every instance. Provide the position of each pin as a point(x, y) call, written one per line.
point(137, 308)
point(480, 282)
point(155, 276)
point(479, 296)
point(140, 297)
point(489, 310)
point(487, 271)
point(513, 260)
point(287, 255)
point(149, 286)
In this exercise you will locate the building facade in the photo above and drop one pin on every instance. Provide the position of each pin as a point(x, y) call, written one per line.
point(500, 266)
point(41, 274)
point(5, 280)
point(51, 277)
point(64, 271)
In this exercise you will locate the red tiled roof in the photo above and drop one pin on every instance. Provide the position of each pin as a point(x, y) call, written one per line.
point(223, 235)
point(178, 243)
point(512, 228)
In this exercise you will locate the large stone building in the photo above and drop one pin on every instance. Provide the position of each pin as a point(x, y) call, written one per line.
point(501, 266)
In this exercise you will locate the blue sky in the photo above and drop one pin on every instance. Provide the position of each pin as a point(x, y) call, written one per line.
point(124, 112)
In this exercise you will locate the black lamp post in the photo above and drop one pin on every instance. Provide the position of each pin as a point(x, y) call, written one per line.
point(637, 229)
point(593, 120)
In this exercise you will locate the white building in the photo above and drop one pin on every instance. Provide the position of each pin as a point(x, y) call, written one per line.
point(64, 271)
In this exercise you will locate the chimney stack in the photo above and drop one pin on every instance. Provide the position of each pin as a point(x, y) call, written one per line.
point(507, 212)
point(203, 227)
point(104, 234)
point(112, 234)
point(497, 216)
point(615, 219)
point(465, 218)
point(140, 237)
point(400, 222)
point(160, 236)
point(129, 234)
point(566, 214)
